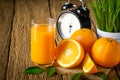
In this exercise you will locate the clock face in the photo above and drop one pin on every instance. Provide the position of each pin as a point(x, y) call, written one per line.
point(67, 24)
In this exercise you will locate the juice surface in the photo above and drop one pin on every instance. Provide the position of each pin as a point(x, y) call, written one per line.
point(42, 44)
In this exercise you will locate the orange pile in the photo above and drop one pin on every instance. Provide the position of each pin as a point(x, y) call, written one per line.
point(71, 52)
point(74, 51)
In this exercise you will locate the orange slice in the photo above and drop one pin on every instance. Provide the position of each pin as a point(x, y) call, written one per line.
point(69, 53)
point(88, 65)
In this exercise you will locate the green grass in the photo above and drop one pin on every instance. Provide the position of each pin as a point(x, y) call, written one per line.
point(107, 14)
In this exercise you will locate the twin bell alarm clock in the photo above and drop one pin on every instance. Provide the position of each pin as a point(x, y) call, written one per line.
point(71, 19)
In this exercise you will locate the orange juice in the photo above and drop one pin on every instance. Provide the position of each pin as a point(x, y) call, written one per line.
point(42, 43)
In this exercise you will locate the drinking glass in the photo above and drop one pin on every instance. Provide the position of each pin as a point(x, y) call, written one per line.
point(42, 40)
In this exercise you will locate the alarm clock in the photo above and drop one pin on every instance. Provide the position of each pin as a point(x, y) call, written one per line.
point(72, 19)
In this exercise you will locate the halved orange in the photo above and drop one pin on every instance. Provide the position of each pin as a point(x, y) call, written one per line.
point(88, 65)
point(69, 53)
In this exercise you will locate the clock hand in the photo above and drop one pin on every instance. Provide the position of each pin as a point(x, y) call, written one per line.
point(70, 27)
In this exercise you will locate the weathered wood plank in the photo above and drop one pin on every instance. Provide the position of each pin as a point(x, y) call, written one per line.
point(6, 17)
point(117, 69)
point(112, 75)
point(19, 59)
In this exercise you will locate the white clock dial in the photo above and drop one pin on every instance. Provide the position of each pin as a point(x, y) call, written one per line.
point(68, 24)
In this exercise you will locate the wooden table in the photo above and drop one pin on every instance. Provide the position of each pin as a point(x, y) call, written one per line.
point(15, 19)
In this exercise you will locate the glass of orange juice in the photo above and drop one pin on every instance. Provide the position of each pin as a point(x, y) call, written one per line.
point(43, 40)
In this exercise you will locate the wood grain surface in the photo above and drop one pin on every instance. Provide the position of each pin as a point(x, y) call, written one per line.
point(15, 22)
point(6, 19)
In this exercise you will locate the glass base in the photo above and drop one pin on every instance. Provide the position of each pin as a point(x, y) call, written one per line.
point(44, 65)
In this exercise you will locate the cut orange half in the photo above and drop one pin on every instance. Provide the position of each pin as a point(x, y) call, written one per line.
point(69, 53)
point(88, 65)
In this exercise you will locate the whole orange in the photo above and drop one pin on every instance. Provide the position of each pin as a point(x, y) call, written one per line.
point(106, 52)
point(86, 37)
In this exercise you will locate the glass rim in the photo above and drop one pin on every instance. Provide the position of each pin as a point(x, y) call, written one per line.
point(33, 23)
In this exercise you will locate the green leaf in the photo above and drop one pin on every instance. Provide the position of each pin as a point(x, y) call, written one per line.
point(33, 70)
point(50, 71)
point(102, 75)
point(77, 76)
